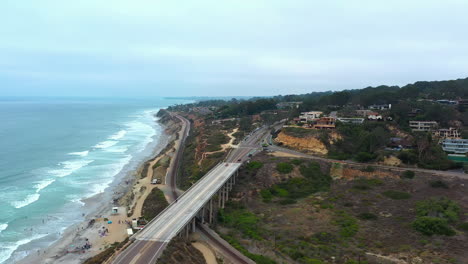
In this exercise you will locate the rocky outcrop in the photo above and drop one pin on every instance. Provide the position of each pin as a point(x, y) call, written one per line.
point(309, 143)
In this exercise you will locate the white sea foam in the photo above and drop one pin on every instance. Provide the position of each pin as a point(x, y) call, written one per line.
point(31, 198)
point(80, 153)
point(3, 227)
point(105, 144)
point(117, 149)
point(118, 135)
point(6, 249)
point(108, 176)
point(42, 184)
point(68, 167)
point(78, 201)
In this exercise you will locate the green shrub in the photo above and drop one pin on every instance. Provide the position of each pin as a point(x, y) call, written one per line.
point(266, 195)
point(254, 165)
point(296, 161)
point(408, 174)
point(154, 203)
point(284, 167)
point(242, 220)
point(364, 157)
point(280, 192)
point(438, 184)
point(463, 226)
point(432, 226)
point(397, 195)
point(367, 216)
point(439, 207)
point(324, 238)
point(348, 224)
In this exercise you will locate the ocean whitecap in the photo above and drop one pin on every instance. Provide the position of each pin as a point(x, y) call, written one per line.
point(80, 153)
point(43, 184)
point(118, 149)
point(118, 135)
point(68, 167)
point(3, 227)
point(31, 198)
point(105, 144)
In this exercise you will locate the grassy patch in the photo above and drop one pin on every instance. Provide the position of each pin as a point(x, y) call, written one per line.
point(154, 204)
point(215, 141)
point(314, 181)
point(254, 165)
point(348, 225)
point(397, 195)
point(429, 226)
point(241, 219)
point(439, 207)
point(284, 167)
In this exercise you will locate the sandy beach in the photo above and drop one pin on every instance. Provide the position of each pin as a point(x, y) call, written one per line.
point(100, 228)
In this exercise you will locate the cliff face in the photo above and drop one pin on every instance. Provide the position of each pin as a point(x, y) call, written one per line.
point(309, 143)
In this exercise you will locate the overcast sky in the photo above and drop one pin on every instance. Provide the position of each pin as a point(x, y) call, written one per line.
point(221, 47)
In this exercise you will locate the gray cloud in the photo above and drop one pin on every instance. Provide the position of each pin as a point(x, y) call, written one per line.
point(258, 47)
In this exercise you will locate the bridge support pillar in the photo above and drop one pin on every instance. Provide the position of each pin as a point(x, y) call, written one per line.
point(211, 211)
point(219, 198)
point(203, 214)
point(226, 192)
point(187, 228)
point(193, 224)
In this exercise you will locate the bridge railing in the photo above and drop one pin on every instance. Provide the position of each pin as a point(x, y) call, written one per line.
point(167, 207)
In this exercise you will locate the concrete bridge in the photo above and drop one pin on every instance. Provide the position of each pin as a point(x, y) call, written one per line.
point(197, 204)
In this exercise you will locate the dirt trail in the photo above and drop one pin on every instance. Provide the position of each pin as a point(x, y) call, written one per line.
point(210, 258)
point(224, 147)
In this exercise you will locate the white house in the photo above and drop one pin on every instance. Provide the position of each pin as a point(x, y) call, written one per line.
point(310, 116)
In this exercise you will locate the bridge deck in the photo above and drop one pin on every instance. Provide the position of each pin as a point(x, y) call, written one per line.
point(172, 220)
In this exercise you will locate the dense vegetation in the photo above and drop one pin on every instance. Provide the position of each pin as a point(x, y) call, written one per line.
point(154, 204)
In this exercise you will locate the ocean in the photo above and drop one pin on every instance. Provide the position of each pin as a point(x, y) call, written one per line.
point(54, 152)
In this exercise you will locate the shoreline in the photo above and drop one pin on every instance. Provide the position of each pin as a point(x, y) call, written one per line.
point(98, 209)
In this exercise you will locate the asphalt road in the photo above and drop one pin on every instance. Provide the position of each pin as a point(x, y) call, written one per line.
point(171, 176)
point(152, 240)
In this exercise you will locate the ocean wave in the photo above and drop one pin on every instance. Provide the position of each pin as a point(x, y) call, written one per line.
point(118, 135)
point(42, 184)
point(108, 177)
point(105, 144)
point(80, 153)
point(68, 167)
point(7, 249)
point(117, 149)
point(31, 198)
point(78, 201)
point(3, 227)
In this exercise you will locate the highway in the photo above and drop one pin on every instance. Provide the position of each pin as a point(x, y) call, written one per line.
point(172, 171)
point(151, 241)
